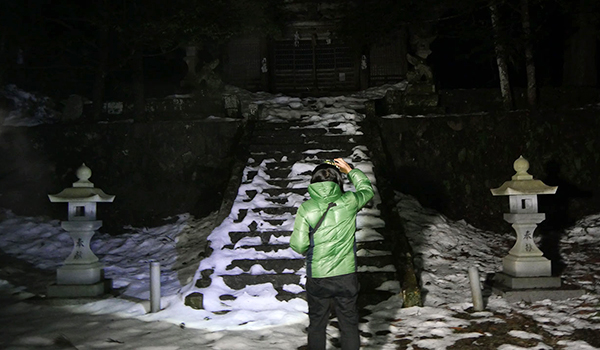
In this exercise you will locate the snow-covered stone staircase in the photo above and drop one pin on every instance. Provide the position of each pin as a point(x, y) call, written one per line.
point(252, 266)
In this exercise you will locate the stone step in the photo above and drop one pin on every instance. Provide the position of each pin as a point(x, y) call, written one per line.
point(258, 157)
point(265, 236)
point(365, 298)
point(283, 210)
point(302, 147)
point(267, 247)
point(281, 265)
point(253, 226)
point(240, 281)
point(278, 173)
point(301, 139)
point(279, 165)
point(372, 297)
point(284, 295)
point(264, 248)
point(276, 265)
point(324, 154)
point(277, 126)
point(289, 125)
point(316, 155)
point(276, 195)
point(279, 192)
point(286, 130)
point(289, 183)
point(368, 280)
point(278, 200)
point(275, 222)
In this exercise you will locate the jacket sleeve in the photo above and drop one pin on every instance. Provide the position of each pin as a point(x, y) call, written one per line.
point(300, 240)
point(364, 190)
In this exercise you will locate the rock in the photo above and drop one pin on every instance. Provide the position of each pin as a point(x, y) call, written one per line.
point(296, 105)
point(205, 280)
point(73, 108)
point(195, 300)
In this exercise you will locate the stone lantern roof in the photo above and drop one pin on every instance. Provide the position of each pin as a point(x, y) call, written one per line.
point(523, 183)
point(82, 191)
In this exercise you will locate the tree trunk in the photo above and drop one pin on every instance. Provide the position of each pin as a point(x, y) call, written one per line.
point(137, 64)
point(505, 89)
point(2, 59)
point(101, 72)
point(580, 53)
point(529, 62)
point(139, 105)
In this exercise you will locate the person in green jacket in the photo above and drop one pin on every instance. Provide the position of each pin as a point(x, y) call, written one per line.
point(331, 250)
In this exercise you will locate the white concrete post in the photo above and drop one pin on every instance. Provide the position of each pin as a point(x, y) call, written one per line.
point(154, 286)
point(475, 289)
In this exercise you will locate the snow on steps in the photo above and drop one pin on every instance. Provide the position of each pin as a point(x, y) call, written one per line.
point(276, 177)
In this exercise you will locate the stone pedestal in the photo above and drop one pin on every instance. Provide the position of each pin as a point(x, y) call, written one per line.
point(525, 259)
point(81, 275)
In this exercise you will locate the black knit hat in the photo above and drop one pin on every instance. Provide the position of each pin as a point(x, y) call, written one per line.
point(327, 172)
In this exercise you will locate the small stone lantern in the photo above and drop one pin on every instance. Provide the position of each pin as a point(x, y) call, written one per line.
point(525, 265)
point(191, 59)
point(82, 274)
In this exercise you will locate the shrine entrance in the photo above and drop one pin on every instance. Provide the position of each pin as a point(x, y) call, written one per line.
point(313, 66)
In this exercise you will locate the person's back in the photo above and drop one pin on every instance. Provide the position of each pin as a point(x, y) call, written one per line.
point(331, 249)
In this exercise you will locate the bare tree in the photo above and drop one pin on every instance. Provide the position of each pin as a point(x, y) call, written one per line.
point(102, 65)
point(501, 58)
point(529, 61)
point(581, 49)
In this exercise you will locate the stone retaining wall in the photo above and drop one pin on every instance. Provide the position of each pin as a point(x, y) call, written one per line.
point(450, 163)
point(155, 169)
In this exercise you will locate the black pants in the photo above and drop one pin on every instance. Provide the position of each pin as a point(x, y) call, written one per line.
point(343, 291)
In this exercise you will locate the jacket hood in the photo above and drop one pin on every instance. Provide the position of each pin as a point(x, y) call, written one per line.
point(325, 191)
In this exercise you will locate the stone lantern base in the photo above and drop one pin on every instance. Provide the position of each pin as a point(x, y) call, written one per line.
point(527, 266)
point(80, 280)
point(529, 279)
point(526, 282)
point(79, 273)
point(531, 289)
point(79, 290)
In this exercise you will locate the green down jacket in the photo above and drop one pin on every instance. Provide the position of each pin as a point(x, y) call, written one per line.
point(331, 252)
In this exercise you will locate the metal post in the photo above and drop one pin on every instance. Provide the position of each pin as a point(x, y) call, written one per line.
point(475, 288)
point(154, 286)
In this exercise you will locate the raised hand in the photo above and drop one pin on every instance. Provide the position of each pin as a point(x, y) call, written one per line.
point(342, 165)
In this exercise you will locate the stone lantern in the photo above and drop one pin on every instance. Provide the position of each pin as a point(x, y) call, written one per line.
point(81, 275)
point(527, 274)
point(191, 59)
